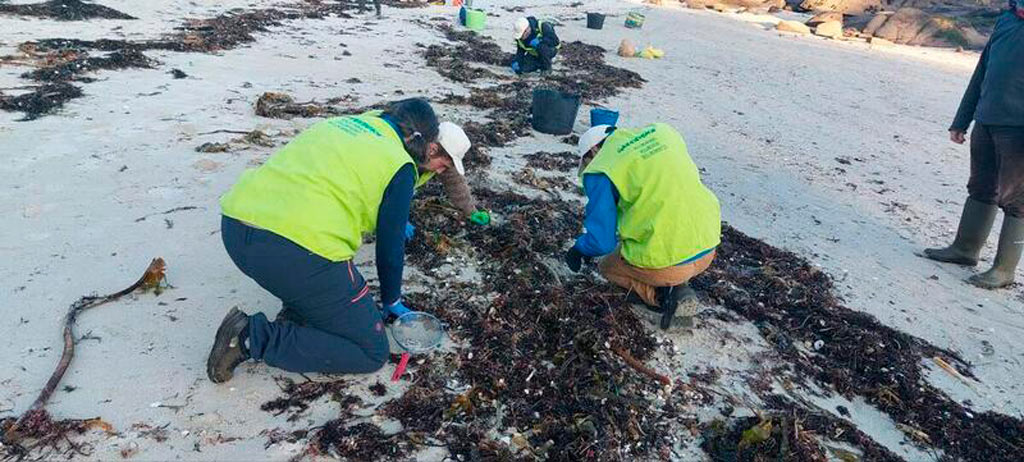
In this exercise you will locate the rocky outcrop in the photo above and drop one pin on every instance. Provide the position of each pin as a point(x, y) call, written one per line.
point(726, 5)
point(825, 17)
point(842, 6)
point(795, 27)
point(830, 29)
point(912, 26)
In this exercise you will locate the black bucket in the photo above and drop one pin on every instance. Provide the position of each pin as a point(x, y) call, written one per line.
point(595, 21)
point(554, 112)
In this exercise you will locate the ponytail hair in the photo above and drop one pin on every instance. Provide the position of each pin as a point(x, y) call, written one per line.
point(418, 123)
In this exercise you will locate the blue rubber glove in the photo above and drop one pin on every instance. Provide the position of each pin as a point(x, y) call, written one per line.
point(410, 231)
point(535, 42)
point(397, 309)
point(515, 66)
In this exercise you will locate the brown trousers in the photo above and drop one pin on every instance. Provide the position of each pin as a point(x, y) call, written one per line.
point(997, 167)
point(643, 280)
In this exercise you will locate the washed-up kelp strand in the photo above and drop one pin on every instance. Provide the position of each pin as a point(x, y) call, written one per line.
point(68, 60)
point(794, 305)
point(35, 430)
point(63, 10)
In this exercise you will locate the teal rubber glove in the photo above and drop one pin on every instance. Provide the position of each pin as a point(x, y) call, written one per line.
point(480, 217)
point(397, 309)
point(535, 42)
point(394, 311)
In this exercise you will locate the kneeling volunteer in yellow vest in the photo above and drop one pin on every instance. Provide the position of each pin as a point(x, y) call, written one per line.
point(294, 225)
point(642, 186)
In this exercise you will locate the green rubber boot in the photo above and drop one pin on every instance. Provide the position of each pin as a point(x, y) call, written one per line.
point(1011, 241)
point(975, 225)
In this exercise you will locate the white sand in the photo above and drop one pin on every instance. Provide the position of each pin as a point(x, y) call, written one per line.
point(765, 115)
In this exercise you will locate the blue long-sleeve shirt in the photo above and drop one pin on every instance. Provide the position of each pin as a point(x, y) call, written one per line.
point(600, 218)
point(391, 219)
point(392, 216)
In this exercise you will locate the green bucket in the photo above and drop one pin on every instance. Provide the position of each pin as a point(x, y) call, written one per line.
point(476, 19)
point(634, 20)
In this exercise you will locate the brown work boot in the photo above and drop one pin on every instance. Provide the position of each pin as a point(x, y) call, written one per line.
point(228, 347)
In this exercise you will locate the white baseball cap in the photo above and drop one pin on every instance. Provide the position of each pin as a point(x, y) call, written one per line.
point(520, 26)
point(453, 139)
point(592, 137)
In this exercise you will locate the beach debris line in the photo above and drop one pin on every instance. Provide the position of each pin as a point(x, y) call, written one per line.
point(62, 61)
point(35, 429)
point(794, 306)
point(63, 10)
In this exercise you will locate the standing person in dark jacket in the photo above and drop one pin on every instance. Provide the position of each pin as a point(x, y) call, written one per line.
point(295, 223)
point(994, 100)
point(536, 45)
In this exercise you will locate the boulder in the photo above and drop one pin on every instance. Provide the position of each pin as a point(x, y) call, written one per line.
point(859, 21)
point(830, 29)
point(975, 39)
point(842, 6)
point(944, 32)
point(876, 22)
point(794, 27)
point(720, 7)
point(938, 29)
point(912, 26)
point(627, 49)
point(903, 26)
point(730, 4)
point(825, 17)
point(696, 4)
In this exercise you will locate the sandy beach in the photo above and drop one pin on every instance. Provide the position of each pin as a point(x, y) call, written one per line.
point(834, 151)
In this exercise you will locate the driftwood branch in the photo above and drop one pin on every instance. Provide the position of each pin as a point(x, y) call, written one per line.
point(151, 278)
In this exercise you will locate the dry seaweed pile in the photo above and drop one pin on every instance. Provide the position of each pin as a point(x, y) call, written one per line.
point(850, 352)
point(41, 100)
point(405, 3)
point(565, 161)
point(549, 184)
point(297, 396)
point(47, 438)
point(338, 438)
point(793, 434)
point(61, 61)
point(63, 10)
point(539, 373)
point(452, 60)
point(580, 69)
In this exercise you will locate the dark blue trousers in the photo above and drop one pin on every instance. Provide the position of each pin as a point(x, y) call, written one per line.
point(343, 330)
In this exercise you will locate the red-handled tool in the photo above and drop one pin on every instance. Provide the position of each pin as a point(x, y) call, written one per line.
point(404, 361)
